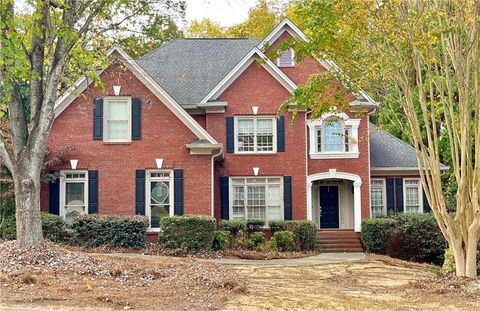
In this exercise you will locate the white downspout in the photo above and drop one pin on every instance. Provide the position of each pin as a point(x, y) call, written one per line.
point(212, 181)
point(307, 183)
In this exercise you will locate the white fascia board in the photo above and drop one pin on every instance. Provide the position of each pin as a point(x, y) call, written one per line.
point(160, 93)
point(242, 66)
point(277, 32)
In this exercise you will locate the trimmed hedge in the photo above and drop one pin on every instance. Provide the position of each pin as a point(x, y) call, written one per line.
point(221, 240)
point(189, 232)
point(284, 241)
point(233, 226)
point(414, 237)
point(115, 231)
point(54, 228)
point(305, 232)
point(376, 233)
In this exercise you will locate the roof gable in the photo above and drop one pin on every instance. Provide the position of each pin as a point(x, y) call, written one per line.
point(117, 53)
point(188, 69)
point(252, 56)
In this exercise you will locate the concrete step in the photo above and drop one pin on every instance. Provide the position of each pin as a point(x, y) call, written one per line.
point(342, 250)
point(340, 246)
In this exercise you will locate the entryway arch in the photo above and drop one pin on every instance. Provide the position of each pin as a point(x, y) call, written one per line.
point(333, 174)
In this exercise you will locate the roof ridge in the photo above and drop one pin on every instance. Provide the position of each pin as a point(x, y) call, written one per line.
point(220, 38)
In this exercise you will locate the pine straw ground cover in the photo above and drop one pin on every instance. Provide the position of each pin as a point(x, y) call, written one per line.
point(67, 279)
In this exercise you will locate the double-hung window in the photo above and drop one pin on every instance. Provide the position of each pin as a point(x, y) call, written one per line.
point(117, 119)
point(378, 197)
point(258, 198)
point(255, 135)
point(73, 194)
point(412, 192)
point(159, 196)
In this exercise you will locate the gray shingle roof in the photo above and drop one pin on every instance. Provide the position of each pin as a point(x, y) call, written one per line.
point(387, 150)
point(188, 69)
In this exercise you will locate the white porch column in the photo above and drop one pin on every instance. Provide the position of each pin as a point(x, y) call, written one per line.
point(309, 201)
point(357, 206)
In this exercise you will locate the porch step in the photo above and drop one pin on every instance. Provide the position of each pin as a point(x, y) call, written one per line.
point(338, 241)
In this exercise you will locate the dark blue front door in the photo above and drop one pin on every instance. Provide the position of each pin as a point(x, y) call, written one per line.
point(329, 205)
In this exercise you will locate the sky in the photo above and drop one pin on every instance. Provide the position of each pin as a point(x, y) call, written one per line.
point(225, 12)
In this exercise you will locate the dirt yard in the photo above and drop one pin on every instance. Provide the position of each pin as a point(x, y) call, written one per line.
point(61, 279)
point(376, 283)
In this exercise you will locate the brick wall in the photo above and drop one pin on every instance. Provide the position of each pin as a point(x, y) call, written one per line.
point(163, 136)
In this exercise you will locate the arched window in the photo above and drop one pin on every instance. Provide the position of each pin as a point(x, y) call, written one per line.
point(332, 137)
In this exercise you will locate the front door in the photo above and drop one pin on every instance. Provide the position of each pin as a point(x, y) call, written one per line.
point(329, 206)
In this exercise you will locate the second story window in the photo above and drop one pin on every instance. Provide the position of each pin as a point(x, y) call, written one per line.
point(334, 135)
point(255, 134)
point(117, 119)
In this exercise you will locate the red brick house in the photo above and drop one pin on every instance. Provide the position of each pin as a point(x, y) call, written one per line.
point(191, 128)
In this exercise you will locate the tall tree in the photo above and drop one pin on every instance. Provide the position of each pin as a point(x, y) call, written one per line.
point(43, 48)
point(205, 28)
point(422, 57)
point(261, 19)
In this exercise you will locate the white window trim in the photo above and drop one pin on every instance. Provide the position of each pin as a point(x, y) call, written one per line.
point(274, 130)
point(148, 191)
point(384, 195)
point(105, 119)
point(63, 181)
point(315, 125)
point(230, 199)
point(292, 64)
point(420, 195)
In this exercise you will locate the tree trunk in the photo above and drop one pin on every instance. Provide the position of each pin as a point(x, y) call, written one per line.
point(471, 256)
point(459, 255)
point(27, 206)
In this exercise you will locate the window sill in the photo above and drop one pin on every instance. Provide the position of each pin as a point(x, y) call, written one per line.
point(153, 230)
point(335, 155)
point(117, 142)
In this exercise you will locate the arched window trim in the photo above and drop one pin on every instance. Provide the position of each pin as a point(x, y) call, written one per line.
point(317, 130)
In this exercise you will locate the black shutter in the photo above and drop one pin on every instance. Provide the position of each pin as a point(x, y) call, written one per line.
point(178, 192)
point(140, 192)
point(224, 198)
point(426, 205)
point(230, 135)
point(98, 119)
point(390, 196)
point(92, 192)
point(287, 197)
point(54, 196)
point(399, 194)
point(136, 118)
point(281, 134)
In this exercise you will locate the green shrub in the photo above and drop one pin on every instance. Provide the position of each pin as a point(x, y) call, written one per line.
point(449, 261)
point(221, 240)
point(255, 240)
point(284, 241)
point(417, 238)
point(254, 225)
point(117, 231)
point(9, 231)
point(7, 214)
point(233, 226)
point(190, 232)
point(54, 228)
point(376, 234)
point(280, 225)
point(305, 234)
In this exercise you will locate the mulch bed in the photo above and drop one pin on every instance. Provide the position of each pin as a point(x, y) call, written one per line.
point(154, 249)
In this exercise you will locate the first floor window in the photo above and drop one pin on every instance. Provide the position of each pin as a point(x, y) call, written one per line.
point(377, 197)
point(258, 198)
point(412, 193)
point(117, 112)
point(159, 196)
point(255, 134)
point(73, 195)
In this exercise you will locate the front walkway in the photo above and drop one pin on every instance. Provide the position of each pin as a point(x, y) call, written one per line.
point(322, 259)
